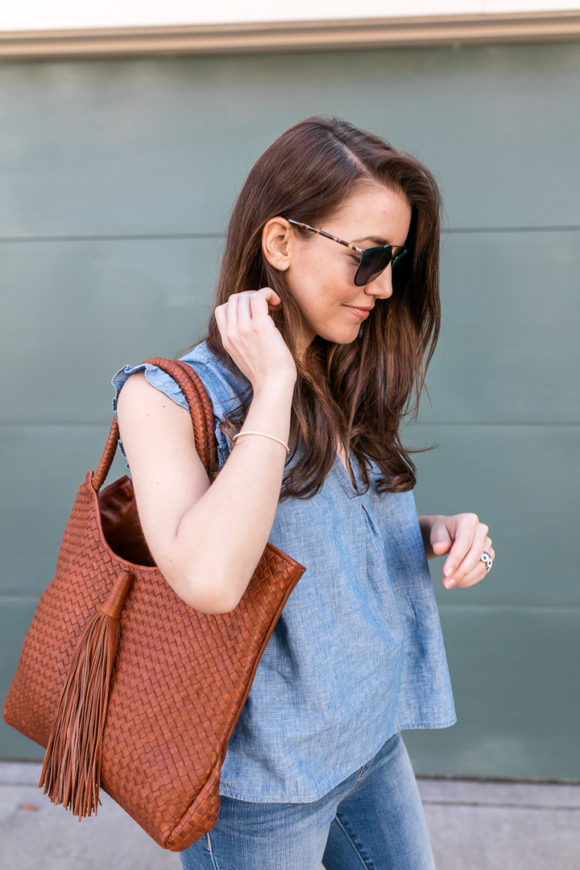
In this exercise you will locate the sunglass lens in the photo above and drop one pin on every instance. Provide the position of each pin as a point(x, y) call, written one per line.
point(373, 262)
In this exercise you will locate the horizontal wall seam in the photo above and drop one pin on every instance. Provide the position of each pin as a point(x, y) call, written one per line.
point(316, 35)
point(489, 423)
point(479, 780)
point(503, 805)
point(511, 608)
point(12, 598)
point(138, 237)
point(547, 424)
point(528, 229)
point(120, 237)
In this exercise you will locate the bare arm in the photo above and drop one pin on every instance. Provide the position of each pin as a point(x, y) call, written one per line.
point(207, 540)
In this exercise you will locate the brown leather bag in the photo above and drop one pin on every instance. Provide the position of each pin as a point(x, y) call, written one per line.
point(127, 686)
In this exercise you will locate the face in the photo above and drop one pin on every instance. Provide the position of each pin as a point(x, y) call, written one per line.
point(321, 272)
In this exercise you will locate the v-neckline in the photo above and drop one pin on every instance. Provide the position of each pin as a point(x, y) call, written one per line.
point(342, 460)
point(344, 476)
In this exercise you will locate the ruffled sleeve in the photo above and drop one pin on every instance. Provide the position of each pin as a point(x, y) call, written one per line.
point(164, 382)
point(223, 386)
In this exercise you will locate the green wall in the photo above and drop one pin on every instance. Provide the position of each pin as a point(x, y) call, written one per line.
point(117, 181)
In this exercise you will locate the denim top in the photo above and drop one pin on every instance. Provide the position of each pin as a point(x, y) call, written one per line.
point(357, 654)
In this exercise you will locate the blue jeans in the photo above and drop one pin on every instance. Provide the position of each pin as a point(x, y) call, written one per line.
point(373, 819)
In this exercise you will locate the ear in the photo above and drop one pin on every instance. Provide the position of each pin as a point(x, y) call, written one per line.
point(277, 243)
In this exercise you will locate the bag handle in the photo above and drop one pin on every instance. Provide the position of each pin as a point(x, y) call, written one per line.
point(71, 771)
point(202, 419)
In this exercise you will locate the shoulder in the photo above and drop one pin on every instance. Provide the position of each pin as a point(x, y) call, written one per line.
point(221, 366)
point(223, 380)
point(198, 358)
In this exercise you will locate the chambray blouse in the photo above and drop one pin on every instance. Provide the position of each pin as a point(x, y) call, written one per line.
point(357, 654)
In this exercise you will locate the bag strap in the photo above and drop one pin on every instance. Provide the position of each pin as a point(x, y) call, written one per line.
point(202, 419)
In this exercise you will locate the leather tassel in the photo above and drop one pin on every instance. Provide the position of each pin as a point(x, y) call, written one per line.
point(71, 772)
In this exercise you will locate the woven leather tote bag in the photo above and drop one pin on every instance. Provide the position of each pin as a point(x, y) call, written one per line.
point(126, 686)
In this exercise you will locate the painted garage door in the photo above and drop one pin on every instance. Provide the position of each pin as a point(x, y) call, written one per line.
point(117, 181)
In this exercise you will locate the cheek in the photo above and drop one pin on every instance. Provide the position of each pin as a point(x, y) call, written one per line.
point(318, 282)
point(322, 265)
point(322, 298)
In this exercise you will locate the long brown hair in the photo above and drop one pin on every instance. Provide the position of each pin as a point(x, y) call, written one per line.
point(358, 393)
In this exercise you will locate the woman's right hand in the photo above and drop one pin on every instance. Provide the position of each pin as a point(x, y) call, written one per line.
point(252, 339)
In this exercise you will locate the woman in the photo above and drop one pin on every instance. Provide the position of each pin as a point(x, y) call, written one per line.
point(327, 315)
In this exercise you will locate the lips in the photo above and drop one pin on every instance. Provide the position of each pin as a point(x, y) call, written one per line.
point(360, 307)
point(360, 312)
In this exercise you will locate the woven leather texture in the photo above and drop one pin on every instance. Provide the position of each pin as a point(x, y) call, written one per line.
point(181, 677)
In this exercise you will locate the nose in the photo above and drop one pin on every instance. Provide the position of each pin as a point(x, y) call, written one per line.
point(382, 286)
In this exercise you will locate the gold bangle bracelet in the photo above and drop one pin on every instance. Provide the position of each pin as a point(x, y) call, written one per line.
point(265, 435)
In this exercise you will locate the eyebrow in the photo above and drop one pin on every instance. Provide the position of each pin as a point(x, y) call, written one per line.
point(373, 239)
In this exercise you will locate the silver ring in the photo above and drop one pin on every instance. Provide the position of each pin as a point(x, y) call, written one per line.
point(487, 560)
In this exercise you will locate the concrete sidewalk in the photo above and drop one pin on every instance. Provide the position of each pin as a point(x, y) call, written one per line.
point(474, 826)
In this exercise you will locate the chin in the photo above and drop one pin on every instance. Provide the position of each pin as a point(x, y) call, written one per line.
point(340, 339)
point(340, 333)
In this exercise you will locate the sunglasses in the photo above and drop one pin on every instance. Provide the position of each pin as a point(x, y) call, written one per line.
point(372, 261)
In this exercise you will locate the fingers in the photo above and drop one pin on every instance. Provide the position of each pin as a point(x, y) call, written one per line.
point(440, 537)
point(254, 306)
point(220, 319)
point(463, 528)
point(250, 336)
point(241, 309)
point(241, 304)
point(236, 316)
point(473, 569)
point(464, 567)
point(441, 547)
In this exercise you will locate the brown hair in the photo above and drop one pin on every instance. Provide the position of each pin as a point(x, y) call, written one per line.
point(356, 393)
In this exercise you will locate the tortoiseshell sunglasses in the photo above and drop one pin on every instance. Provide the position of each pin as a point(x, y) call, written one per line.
point(372, 262)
